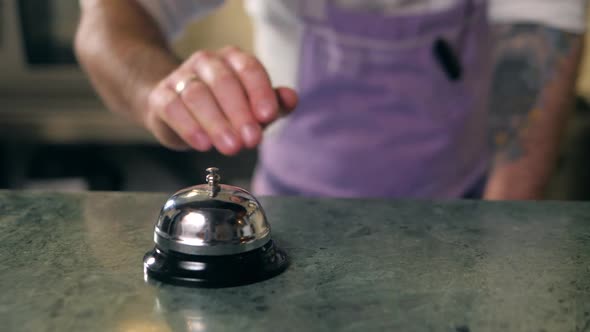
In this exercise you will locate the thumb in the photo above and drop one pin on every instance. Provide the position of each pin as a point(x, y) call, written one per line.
point(287, 98)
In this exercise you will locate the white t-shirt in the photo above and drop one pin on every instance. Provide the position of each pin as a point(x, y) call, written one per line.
point(277, 45)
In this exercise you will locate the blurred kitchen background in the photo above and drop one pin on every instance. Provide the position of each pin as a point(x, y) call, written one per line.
point(55, 133)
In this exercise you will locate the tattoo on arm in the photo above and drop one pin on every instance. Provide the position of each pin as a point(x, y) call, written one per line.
point(526, 58)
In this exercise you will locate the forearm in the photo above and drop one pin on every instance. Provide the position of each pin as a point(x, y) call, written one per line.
point(534, 76)
point(123, 52)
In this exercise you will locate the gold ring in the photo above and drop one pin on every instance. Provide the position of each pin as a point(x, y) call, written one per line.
point(181, 85)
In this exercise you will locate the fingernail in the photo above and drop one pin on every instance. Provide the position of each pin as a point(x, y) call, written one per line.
point(202, 141)
point(251, 134)
point(266, 110)
point(229, 140)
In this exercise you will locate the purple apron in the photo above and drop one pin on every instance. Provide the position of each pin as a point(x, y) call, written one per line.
point(379, 117)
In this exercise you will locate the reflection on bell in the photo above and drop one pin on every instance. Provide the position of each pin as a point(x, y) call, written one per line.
point(213, 235)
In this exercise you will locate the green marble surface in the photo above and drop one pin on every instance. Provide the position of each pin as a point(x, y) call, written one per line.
point(73, 262)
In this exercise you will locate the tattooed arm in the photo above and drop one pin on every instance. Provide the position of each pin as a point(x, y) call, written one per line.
point(534, 75)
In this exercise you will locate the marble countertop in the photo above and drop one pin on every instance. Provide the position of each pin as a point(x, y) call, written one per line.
point(73, 262)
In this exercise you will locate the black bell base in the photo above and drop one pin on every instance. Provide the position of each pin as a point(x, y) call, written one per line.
point(214, 271)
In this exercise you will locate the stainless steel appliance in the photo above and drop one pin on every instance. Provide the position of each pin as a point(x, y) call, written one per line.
point(36, 55)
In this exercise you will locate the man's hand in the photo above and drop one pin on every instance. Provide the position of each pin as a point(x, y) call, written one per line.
point(226, 100)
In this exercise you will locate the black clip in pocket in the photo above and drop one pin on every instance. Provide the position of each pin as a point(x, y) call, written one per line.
point(447, 59)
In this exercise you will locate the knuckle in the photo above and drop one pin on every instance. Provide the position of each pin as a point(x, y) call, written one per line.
point(153, 98)
point(231, 49)
point(200, 56)
point(223, 78)
point(240, 115)
point(192, 131)
point(157, 100)
point(219, 128)
point(195, 91)
point(168, 110)
point(248, 65)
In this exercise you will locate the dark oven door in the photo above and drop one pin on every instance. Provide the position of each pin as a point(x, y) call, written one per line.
point(48, 28)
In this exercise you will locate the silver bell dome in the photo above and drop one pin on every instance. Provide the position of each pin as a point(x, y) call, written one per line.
point(211, 219)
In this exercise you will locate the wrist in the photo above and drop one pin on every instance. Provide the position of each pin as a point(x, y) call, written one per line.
point(151, 67)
